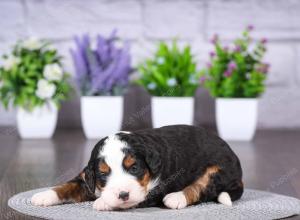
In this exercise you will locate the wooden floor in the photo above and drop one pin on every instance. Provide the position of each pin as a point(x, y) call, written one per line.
point(271, 162)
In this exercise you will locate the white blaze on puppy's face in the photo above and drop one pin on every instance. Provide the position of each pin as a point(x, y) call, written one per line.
point(118, 179)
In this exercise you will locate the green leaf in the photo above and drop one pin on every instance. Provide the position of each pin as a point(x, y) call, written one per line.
point(169, 62)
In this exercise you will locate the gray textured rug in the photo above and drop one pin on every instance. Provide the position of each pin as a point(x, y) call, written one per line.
point(253, 205)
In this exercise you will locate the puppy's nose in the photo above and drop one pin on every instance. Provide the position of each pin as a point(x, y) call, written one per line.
point(124, 195)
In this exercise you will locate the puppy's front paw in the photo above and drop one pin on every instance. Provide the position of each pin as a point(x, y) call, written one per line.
point(100, 205)
point(45, 198)
point(175, 200)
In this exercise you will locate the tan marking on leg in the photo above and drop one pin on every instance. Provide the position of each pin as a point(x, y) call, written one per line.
point(193, 192)
point(70, 192)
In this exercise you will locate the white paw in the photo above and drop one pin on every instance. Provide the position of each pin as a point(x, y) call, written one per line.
point(175, 200)
point(45, 198)
point(100, 205)
point(224, 198)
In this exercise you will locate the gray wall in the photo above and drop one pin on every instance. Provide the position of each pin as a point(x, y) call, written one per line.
point(145, 22)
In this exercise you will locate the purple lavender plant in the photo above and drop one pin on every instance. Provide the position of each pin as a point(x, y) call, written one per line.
point(103, 70)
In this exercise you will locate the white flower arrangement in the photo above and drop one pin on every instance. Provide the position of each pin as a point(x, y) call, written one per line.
point(32, 75)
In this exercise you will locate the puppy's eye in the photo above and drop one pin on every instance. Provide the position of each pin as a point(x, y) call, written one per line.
point(133, 169)
point(101, 174)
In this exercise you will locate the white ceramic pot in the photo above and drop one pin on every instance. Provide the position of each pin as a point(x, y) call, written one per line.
point(236, 118)
point(101, 115)
point(39, 123)
point(172, 110)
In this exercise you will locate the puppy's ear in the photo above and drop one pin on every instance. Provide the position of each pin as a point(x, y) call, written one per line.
point(90, 178)
point(89, 170)
point(153, 160)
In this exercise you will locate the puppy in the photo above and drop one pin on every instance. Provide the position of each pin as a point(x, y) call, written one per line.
point(175, 166)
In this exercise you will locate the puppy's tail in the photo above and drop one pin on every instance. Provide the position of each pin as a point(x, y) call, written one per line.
point(224, 198)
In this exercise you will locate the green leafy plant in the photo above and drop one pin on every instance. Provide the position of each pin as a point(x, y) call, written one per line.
point(238, 71)
point(171, 72)
point(32, 75)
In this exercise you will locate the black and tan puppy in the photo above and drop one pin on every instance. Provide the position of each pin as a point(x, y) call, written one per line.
point(174, 165)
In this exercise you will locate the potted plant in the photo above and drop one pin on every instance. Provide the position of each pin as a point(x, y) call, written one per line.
point(102, 74)
point(236, 76)
point(32, 79)
point(171, 78)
